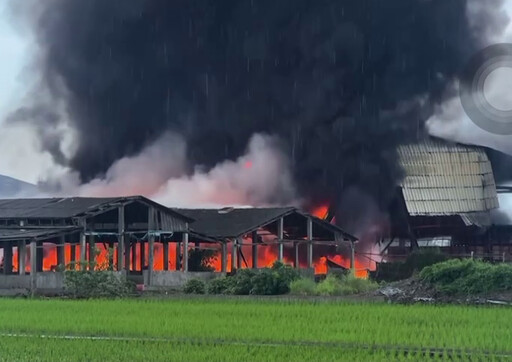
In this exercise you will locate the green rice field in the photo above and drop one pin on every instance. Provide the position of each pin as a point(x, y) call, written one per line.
point(222, 329)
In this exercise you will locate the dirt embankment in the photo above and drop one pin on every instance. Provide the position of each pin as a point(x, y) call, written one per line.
point(413, 290)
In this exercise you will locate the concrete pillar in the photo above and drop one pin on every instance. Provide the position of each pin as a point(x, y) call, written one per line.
point(33, 257)
point(33, 264)
point(165, 244)
point(120, 239)
point(296, 264)
point(254, 249)
point(185, 252)
point(92, 252)
point(280, 237)
point(224, 256)
point(233, 256)
point(61, 256)
point(7, 258)
point(22, 256)
point(151, 242)
point(83, 250)
point(310, 242)
point(39, 256)
point(178, 256)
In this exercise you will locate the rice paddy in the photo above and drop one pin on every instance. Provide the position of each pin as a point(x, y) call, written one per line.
point(200, 329)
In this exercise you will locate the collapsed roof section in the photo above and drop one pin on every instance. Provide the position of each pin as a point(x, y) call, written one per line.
point(444, 179)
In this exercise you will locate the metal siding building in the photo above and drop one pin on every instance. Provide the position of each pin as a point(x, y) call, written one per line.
point(445, 179)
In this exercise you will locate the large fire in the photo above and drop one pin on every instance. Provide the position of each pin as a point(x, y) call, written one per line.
point(267, 255)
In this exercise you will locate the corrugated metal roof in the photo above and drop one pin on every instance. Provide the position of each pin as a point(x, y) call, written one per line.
point(52, 208)
point(235, 222)
point(447, 179)
point(231, 223)
point(63, 208)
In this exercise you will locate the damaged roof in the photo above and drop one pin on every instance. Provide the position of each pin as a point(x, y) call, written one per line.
point(448, 179)
point(234, 222)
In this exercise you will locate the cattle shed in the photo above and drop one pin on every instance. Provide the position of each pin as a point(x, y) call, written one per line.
point(150, 243)
point(124, 234)
point(283, 232)
point(445, 199)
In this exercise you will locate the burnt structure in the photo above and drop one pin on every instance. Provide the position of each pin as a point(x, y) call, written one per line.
point(286, 230)
point(148, 242)
point(445, 199)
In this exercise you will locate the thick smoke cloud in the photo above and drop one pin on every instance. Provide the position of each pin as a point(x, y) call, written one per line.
point(339, 82)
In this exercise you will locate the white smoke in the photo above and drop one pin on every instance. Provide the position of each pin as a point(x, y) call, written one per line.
point(450, 121)
point(260, 177)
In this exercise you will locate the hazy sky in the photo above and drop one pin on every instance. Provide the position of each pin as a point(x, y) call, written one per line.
point(20, 144)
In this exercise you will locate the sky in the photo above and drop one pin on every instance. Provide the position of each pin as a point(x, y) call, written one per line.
point(15, 50)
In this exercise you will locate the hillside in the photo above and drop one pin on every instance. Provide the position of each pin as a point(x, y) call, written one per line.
point(11, 187)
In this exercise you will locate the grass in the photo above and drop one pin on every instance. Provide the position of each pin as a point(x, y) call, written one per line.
point(332, 286)
point(249, 329)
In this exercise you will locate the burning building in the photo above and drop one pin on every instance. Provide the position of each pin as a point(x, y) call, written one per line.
point(444, 200)
point(151, 243)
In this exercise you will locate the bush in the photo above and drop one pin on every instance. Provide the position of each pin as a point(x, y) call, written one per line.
point(194, 286)
point(285, 272)
point(330, 286)
point(347, 285)
point(353, 285)
point(266, 281)
point(96, 284)
point(468, 277)
point(303, 286)
point(222, 285)
point(242, 282)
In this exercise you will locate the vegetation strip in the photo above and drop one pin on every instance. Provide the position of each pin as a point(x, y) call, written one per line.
point(340, 344)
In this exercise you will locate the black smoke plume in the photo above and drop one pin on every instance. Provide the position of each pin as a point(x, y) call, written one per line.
point(340, 82)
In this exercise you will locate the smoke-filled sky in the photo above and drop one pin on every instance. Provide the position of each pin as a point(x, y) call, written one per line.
point(246, 101)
